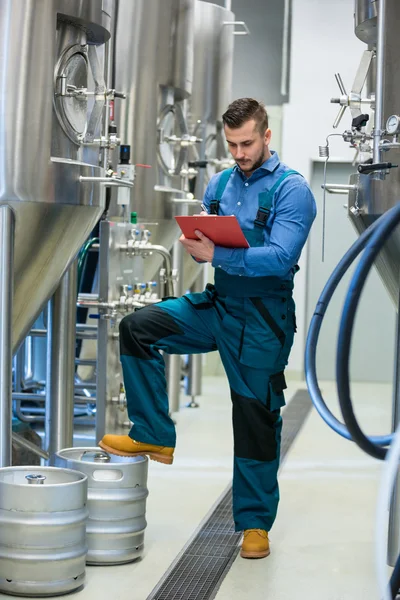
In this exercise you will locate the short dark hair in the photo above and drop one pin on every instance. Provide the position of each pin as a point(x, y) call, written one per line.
point(244, 109)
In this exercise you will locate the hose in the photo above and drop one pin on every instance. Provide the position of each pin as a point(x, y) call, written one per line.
point(82, 258)
point(314, 330)
point(387, 224)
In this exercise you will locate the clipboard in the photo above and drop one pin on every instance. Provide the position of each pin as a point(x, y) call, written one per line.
point(223, 231)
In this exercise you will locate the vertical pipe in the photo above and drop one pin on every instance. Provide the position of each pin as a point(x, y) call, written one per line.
point(228, 4)
point(7, 228)
point(285, 48)
point(380, 58)
point(104, 412)
point(175, 361)
point(60, 372)
point(201, 176)
point(195, 360)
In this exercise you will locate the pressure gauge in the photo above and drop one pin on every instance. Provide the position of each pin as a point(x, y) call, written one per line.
point(393, 125)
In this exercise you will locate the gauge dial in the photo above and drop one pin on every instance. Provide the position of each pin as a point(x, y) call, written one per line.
point(393, 125)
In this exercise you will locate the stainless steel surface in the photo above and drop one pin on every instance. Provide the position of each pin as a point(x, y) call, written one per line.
point(117, 492)
point(175, 360)
point(374, 197)
point(117, 269)
point(365, 20)
point(193, 387)
point(29, 446)
point(43, 542)
point(212, 86)
point(380, 73)
point(153, 91)
point(60, 378)
point(213, 63)
point(40, 165)
point(7, 241)
point(35, 479)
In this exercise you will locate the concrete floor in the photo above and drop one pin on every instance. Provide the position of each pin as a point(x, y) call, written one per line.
point(322, 545)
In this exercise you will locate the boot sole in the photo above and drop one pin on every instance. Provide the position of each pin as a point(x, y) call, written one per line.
point(263, 554)
point(161, 458)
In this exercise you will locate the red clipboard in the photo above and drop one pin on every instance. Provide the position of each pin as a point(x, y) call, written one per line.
point(223, 231)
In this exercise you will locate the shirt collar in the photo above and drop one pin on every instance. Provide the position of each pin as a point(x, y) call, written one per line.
point(269, 165)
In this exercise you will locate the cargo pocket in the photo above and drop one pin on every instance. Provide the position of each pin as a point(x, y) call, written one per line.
point(264, 334)
point(276, 386)
point(200, 300)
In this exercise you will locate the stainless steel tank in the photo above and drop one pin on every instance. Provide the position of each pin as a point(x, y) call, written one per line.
point(48, 46)
point(42, 530)
point(365, 20)
point(213, 63)
point(375, 196)
point(117, 492)
point(154, 66)
point(212, 85)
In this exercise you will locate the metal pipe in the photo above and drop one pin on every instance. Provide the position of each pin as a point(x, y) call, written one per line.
point(111, 181)
point(42, 398)
point(380, 64)
point(169, 283)
point(339, 188)
point(85, 361)
point(285, 48)
point(228, 4)
point(85, 386)
point(175, 361)
point(17, 411)
point(79, 334)
point(7, 231)
point(30, 446)
point(195, 360)
point(19, 368)
point(61, 364)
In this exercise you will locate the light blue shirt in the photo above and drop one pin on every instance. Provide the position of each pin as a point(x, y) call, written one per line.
point(292, 214)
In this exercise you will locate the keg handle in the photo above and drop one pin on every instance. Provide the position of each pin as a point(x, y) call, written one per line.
point(107, 475)
point(35, 479)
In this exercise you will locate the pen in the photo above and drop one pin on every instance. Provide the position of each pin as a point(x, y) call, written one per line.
point(204, 208)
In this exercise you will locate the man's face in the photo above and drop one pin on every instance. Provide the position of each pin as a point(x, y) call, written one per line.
point(248, 147)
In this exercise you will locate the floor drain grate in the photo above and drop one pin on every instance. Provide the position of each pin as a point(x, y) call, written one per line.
point(197, 573)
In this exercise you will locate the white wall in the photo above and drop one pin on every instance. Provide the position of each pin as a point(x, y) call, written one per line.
point(323, 43)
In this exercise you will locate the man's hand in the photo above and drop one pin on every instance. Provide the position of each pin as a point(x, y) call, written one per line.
point(202, 249)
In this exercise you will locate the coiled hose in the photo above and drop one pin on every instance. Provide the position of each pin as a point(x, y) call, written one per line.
point(315, 327)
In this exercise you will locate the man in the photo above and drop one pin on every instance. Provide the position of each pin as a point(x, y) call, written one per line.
point(248, 315)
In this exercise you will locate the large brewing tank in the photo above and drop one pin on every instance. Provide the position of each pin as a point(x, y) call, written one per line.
point(375, 196)
point(212, 85)
point(365, 20)
point(46, 44)
point(42, 530)
point(213, 63)
point(154, 66)
point(117, 492)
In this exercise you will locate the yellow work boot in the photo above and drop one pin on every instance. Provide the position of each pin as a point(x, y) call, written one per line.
point(123, 445)
point(255, 544)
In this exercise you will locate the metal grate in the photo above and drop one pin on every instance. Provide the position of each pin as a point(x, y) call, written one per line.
point(199, 570)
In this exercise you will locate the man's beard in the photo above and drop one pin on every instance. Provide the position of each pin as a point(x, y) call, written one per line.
point(246, 167)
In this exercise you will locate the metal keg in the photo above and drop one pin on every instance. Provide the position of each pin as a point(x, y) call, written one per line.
point(42, 530)
point(117, 492)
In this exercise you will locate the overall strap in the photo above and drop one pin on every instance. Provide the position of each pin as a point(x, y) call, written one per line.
point(222, 183)
point(265, 200)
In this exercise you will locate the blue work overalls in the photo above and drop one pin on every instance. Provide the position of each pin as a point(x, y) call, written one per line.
point(253, 335)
